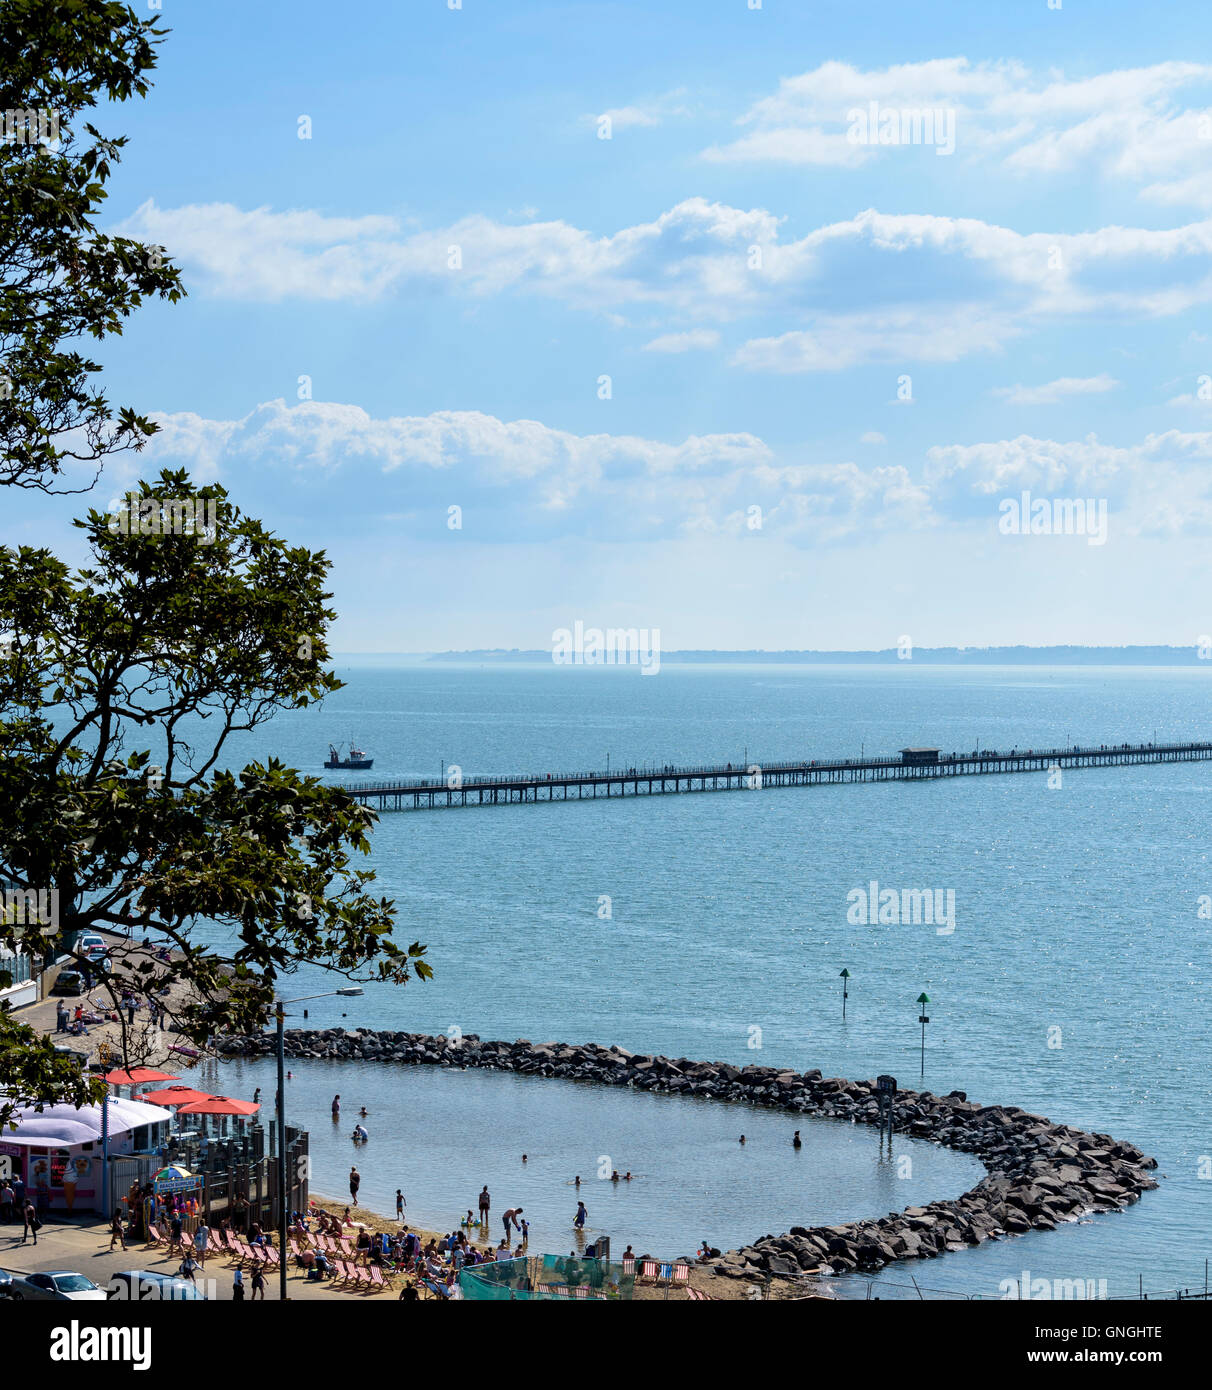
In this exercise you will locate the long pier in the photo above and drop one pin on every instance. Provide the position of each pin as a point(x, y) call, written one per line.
point(911, 765)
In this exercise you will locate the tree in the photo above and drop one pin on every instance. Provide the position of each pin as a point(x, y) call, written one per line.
point(195, 625)
point(61, 280)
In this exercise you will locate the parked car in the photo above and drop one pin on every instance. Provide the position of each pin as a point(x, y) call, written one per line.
point(69, 982)
point(16, 1288)
point(142, 1285)
point(78, 1287)
point(92, 946)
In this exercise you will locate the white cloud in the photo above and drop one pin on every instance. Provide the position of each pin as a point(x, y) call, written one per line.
point(872, 437)
point(1053, 391)
point(1132, 124)
point(918, 287)
point(684, 342)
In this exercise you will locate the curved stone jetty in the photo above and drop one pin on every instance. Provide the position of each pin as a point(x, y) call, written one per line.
point(1039, 1173)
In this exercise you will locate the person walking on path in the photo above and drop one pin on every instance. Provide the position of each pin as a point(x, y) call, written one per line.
point(8, 1202)
point(355, 1181)
point(579, 1219)
point(237, 1286)
point(258, 1283)
point(32, 1224)
point(201, 1238)
point(116, 1232)
point(485, 1204)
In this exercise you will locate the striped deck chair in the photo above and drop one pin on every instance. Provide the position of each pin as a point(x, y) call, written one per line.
point(628, 1266)
point(582, 1291)
point(666, 1275)
point(542, 1288)
point(681, 1274)
point(377, 1281)
point(270, 1253)
point(153, 1236)
point(649, 1272)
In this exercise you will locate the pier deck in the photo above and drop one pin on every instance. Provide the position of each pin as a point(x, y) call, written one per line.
point(433, 794)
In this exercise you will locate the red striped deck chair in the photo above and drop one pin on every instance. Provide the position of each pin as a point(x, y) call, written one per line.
point(650, 1271)
point(681, 1274)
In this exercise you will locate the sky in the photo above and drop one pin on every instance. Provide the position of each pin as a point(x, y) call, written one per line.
point(750, 324)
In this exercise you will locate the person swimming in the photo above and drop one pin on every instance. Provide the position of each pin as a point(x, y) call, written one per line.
point(627, 1175)
point(614, 1177)
point(742, 1140)
point(797, 1142)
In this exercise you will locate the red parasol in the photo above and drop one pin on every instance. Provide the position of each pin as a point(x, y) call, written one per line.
point(137, 1076)
point(174, 1095)
point(219, 1105)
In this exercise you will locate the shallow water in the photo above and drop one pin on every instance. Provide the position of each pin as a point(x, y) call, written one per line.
point(440, 1134)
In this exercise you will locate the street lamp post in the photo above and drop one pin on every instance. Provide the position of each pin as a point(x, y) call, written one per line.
point(280, 1016)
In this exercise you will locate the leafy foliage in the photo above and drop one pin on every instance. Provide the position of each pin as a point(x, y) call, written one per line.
point(61, 280)
point(122, 687)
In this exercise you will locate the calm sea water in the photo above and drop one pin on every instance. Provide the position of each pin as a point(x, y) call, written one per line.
point(1076, 983)
point(440, 1134)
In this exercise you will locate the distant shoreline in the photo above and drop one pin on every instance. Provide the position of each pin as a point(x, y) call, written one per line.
point(921, 656)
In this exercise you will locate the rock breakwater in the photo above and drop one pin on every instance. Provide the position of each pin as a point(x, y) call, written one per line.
point(1039, 1174)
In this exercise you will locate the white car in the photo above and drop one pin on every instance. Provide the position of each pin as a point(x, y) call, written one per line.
point(67, 1284)
point(91, 946)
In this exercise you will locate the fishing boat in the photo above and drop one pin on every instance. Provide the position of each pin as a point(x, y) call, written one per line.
point(358, 760)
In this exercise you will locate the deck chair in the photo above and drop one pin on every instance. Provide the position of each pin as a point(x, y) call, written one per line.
point(649, 1272)
point(153, 1236)
point(377, 1281)
point(681, 1274)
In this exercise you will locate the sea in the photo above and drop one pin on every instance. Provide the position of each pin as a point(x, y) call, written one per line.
point(1076, 981)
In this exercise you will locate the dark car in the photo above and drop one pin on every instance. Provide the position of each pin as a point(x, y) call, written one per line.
point(141, 1285)
point(69, 982)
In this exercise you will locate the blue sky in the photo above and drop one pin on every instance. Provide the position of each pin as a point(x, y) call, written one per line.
point(755, 282)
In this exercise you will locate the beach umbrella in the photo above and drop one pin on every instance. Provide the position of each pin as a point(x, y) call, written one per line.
point(174, 1095)
point(219, 1105)
point(137, 1076)
point(173, 1172)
